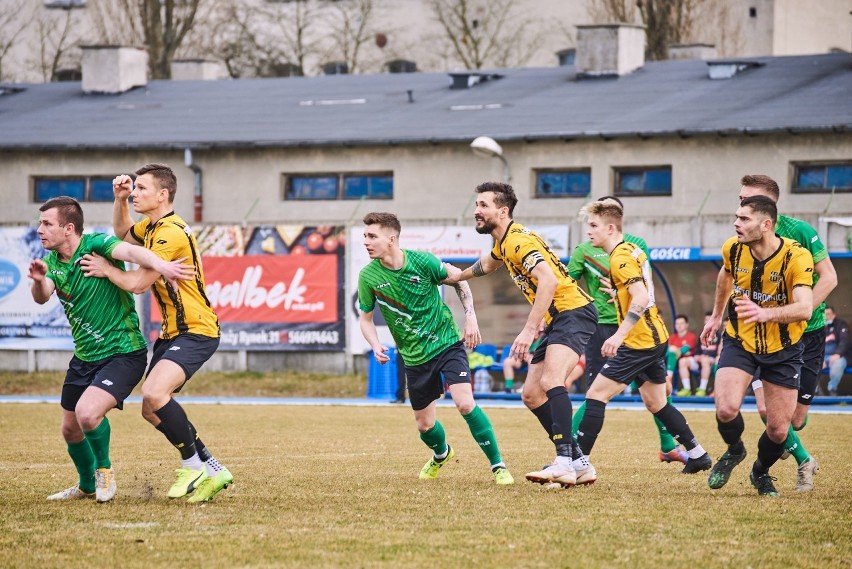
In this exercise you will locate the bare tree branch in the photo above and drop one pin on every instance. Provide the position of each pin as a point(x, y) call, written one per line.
point(15, 19)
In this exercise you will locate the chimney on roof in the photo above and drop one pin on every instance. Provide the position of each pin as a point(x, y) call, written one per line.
point(692, 51)
point(197, 70)
point(113, 69)
point(606, 50)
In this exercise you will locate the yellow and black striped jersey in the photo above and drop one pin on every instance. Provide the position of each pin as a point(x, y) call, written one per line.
point(767, 283)
point(187, 308)
point(521, 250)
point(628, 264)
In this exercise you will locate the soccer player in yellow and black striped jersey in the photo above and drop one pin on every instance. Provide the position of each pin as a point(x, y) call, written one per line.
point(190, 328)
point(567, 310)
point(637, 350)
point(771, 279)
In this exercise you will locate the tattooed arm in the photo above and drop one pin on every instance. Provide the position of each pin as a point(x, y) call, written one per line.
point(472, 336)
point(485, 265)
point(638, 304)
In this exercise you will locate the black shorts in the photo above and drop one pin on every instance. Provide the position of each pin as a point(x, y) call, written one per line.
point(630, 364)
point(117, 375)
point(780, 368)
point(812, 358)
point(425, 384)
point(189, 351)
point(594, 359)
point(571, 328)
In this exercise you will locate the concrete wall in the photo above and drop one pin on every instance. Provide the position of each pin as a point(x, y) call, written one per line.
point(433, 184)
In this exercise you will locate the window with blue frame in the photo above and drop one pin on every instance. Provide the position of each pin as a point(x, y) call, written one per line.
point(643, 181)
point(563, 183)
point(338, 186)
point(822, 178)
point(81, 188)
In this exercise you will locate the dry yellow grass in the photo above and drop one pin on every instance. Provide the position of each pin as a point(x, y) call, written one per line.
point(337, 487)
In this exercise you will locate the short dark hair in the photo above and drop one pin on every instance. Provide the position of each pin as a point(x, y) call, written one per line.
point(384, 220)
point(763, 182)
point(164, 176)
point(504, 195)
point(684, 316)
point(762, 204)
point(68, 209)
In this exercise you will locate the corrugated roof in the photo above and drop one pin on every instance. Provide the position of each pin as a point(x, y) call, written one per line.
point(802, 93)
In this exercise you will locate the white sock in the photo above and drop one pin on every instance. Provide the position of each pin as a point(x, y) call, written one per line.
point(696, 452)
point(213, 466)
point(498, 465)
point(686, 383)
point(443, 455)
point(193, 462)
point(564, 462)
point(703, 384)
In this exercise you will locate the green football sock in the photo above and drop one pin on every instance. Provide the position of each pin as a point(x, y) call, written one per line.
point(84, 460)
point(667, 442)
point(578, 418)
point(483, 434)
point(510, 383)
point(435, 438)
point(99, 440)
point(794, 446)
point(671, 360)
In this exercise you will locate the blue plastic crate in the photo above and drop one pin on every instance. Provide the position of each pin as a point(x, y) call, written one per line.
point(381, 379)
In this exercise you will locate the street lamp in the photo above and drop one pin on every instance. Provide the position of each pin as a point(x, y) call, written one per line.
point(488, 147)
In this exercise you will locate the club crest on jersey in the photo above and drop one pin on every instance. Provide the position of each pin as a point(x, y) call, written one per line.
point(775, 276)
point(415, 279)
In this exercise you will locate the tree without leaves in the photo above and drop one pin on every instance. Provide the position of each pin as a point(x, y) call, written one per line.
point(15, 19)
point(55, 37)
point(351, 28)
point(479, 33)
point(670, 22)
point(161, 25)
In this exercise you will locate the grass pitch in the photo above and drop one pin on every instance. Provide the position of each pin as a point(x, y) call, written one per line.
point(333, 486)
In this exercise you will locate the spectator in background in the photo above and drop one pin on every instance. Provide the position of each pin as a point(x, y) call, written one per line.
point(837, 348)
point(705, 360)
point(682, 346)
point(512, 363)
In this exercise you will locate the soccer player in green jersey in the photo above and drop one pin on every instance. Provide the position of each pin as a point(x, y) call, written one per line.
point(109, 350)
point(403, 284)
point(592, 264)
point(825, 280)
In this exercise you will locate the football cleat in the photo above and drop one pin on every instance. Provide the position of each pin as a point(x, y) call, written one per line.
point(586, 476)
point(684, 392)
point(695, 465)
point(211, 486)
point(701, 393)
point(187, 481)
point(105, 487)
point(502, 476)
point(805, 476)
point(722, 469)
point(431, 468)
point(677, 454)
point(763, 483)
point(553, 473)
point(73, 493)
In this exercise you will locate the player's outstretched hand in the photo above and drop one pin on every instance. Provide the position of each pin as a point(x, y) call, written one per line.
point(381, 354)
point(748, 311)
point(94, 265)
point(38, 270)
point(708, 334)
point(177, 270)
point(472, 336)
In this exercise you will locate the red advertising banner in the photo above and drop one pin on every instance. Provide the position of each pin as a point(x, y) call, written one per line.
point(276, 288)
point(291, 288)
